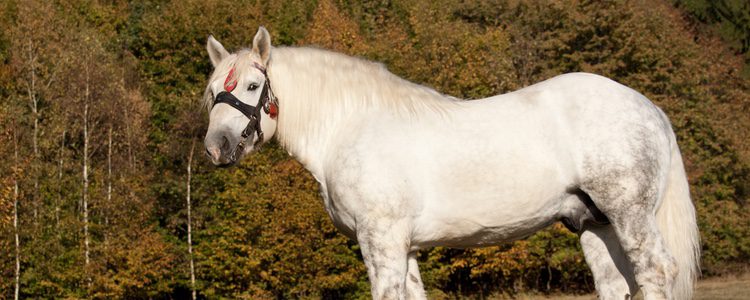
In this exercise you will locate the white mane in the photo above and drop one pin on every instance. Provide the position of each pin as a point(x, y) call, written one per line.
point(347, 81)
point(354, 82)
point(317, 89)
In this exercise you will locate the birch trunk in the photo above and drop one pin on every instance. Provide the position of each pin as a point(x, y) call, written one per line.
point(34, 104)
point(86, 177)
point(15, 213)
point(131, 159)
point(109, 184)
point(59, 180)
point(189, 220)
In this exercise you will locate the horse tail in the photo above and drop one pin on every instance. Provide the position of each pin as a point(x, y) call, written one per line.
point(677, 223)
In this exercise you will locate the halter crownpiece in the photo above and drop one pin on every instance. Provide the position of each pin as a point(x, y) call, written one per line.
point(271, 106)
point(267, 102)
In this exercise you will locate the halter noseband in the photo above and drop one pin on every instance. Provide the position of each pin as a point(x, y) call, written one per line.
point(267, 102)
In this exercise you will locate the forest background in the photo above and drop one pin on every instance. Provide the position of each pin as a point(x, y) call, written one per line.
point(100, 117)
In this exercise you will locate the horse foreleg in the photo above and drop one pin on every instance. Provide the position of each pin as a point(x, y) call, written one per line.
point(613, 273)
point(384, 245)
point(414, 287)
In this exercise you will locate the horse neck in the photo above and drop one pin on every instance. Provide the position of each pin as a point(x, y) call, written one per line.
point(322, 93)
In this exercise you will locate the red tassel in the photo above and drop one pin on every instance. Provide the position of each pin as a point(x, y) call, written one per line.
point(230, 83)
point(274, 111)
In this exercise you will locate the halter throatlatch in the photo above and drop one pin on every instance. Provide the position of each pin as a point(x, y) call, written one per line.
point(267, 102)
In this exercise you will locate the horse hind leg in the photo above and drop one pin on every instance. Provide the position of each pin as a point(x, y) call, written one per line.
point(629, 202)
point(655, 269)
point(613, 273)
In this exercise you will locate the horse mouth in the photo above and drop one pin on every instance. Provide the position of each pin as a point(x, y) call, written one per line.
point(223, 162)
point(225, 165)
point(220, 159)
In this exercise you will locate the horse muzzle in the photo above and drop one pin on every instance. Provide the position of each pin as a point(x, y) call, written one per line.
point(217, 158)
point(221, 150)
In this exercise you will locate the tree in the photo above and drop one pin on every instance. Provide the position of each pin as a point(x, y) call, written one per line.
point(189, 220)
point(728, 19)
point(16, 168)
point(259, 230)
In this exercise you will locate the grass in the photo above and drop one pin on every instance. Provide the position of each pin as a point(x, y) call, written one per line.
point(730, 288)
point(725, 288)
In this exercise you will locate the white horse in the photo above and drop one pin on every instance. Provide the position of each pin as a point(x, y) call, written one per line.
point(402, 167)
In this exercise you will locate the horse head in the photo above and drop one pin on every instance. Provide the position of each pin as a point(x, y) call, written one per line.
point(243, 109)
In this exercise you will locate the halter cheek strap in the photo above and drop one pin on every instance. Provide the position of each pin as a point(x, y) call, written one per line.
point(267, 102)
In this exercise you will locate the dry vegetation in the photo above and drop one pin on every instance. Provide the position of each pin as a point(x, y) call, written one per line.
point(735, 287)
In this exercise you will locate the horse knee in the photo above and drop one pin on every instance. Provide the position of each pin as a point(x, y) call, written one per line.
point(387, 272)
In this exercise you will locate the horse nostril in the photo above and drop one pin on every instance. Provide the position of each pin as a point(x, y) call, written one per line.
point(214, 153)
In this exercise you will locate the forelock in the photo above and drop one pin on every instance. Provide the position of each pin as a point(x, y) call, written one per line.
point(221, 71)
point(242, 62)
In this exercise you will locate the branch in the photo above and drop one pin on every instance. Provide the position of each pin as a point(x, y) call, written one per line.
point(52, 77)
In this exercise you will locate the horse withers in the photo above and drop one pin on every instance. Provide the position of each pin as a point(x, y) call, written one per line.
point(402, 167)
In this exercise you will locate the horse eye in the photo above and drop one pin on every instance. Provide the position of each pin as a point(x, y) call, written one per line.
point(252, 87)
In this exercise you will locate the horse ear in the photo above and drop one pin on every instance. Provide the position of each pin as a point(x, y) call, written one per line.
point(262, 44)
point(215, 51)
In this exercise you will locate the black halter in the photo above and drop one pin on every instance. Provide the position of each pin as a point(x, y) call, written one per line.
point(266, 101)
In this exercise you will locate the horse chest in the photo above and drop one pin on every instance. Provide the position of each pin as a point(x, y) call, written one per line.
point(341, 218)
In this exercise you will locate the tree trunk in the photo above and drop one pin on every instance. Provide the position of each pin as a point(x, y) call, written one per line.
point(548, 262)
point(59, 180)
point(86, 178)
point(15, 212)
point(131, 159)
point(189, 220)
point(109, 184)
point(34, 104)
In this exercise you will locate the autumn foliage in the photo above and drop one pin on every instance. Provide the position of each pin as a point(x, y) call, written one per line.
point(260, 230)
